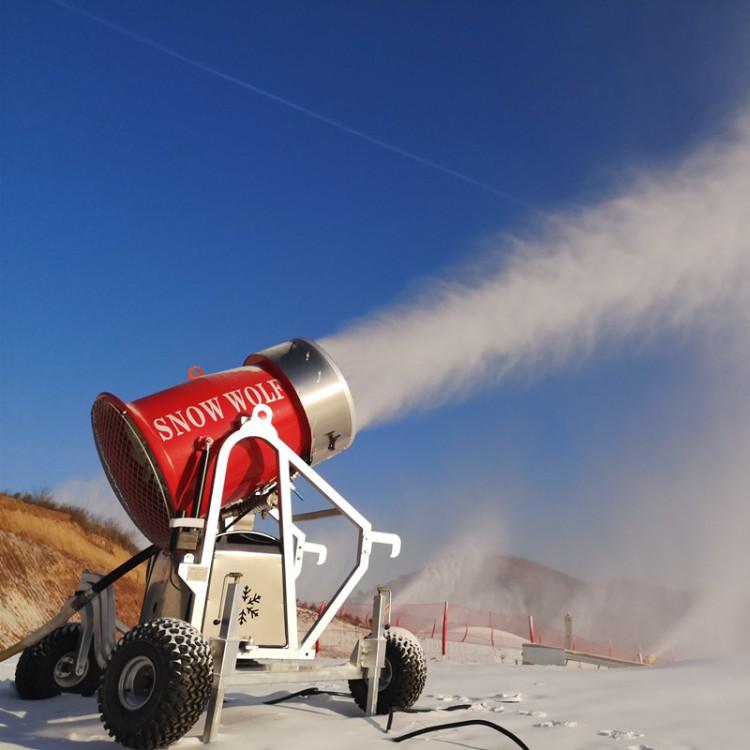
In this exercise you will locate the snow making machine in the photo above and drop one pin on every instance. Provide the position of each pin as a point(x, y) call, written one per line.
point(195, 466)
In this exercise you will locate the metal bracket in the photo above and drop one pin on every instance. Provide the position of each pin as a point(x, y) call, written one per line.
point(98, 624)
point(374, 661)
point(224, 650)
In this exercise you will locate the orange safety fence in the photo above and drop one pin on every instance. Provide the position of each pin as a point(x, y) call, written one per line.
point(449, 622)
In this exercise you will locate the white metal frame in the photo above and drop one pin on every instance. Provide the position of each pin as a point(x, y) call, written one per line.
point(197, 573)
point(366, 662)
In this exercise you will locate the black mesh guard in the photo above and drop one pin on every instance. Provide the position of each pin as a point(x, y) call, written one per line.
point(132, 471)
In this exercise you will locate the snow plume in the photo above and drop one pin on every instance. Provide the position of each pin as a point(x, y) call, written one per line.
point(685, 521)
point(457, 572)
point(670, 252)
point(670, 255)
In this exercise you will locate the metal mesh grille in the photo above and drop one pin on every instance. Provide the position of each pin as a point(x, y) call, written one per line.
point(132, 472)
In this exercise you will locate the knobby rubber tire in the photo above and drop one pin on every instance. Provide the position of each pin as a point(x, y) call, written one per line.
point(45, 669)
point(156, 684)
point(403, 677)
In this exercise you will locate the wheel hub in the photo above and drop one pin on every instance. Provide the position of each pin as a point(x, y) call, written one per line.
point(386, 675)
point(136, 684)
point(65, 673)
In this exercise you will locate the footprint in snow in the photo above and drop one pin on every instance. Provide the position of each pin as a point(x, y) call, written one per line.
point(620, 734)
point(507, 697)
point(486, 707)
point(477, 704)
point(555, 723)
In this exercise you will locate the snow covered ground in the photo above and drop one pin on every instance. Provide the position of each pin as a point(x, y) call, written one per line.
point(691, 705)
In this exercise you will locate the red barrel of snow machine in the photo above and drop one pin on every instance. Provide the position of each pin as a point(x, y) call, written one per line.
point(151, 448)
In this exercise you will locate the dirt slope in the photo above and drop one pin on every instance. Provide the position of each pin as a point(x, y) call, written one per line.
point(42, 555)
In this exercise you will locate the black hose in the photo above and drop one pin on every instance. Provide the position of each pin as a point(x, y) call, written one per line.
point(306, 693)
point(469, 722)
point(392, 711)
point(121, 570)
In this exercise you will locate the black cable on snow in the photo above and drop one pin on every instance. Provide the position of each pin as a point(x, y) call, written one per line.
point(306, 693)
point(392, 711)
point(469, 722)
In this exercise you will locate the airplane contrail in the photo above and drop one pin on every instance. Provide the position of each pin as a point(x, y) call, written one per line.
point(293, 105)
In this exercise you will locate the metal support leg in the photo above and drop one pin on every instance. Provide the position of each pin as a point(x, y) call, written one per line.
point(98, 623)
point(224, 648)
point(374, 655)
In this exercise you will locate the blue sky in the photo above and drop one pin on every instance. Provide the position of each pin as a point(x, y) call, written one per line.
point(185, 183)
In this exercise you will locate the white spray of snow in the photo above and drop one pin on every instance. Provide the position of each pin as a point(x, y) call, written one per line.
point(670, 252)
point(453, 572)
point(669, 256)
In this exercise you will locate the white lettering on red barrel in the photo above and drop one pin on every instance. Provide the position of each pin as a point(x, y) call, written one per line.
point(212, 408)
point(268, 399)
point(195, 416)
point(252, 395)
point(276, 387)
